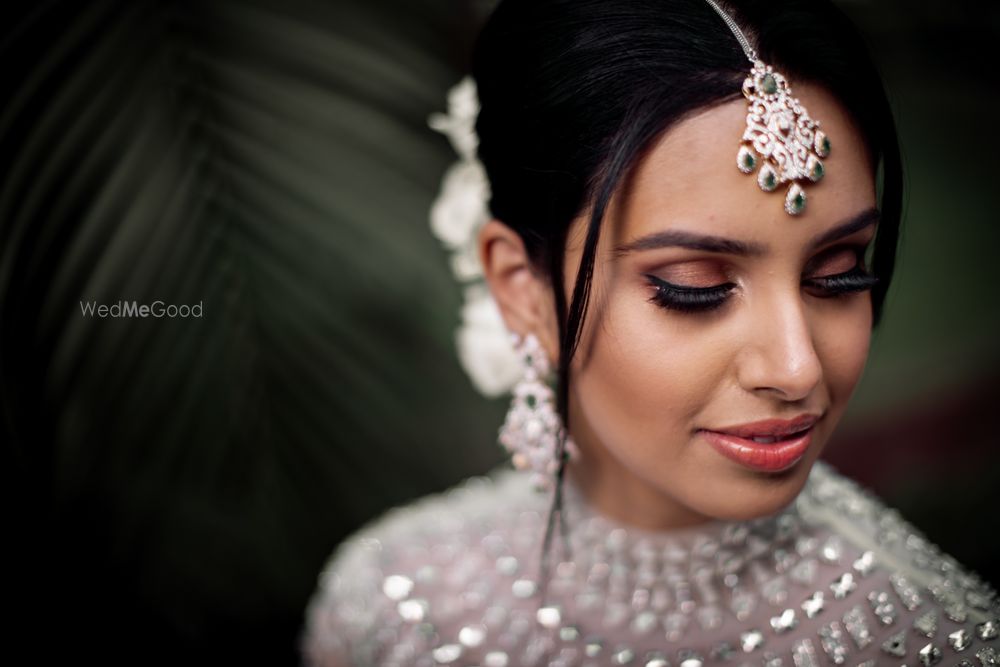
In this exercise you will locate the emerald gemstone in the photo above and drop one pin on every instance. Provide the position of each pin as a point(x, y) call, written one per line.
point(818, 171)
point(767, 178)
point(795, 200)
point(769, 84)
point(746, 160)
point(826, 145)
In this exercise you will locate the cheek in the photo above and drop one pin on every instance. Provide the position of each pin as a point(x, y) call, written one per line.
point(644, 377)
point(843, 336)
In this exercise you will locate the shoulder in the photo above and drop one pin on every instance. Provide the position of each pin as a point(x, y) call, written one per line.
point(382, 581)
point(915, 600)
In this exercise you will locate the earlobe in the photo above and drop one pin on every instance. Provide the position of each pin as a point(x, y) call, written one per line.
point(523, 296)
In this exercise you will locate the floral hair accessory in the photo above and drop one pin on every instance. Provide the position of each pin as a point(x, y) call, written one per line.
point(456, 216)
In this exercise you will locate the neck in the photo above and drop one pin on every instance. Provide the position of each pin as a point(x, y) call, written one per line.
point(614, 492)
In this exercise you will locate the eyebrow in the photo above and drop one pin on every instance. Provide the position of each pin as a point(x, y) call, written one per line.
point(708, 243)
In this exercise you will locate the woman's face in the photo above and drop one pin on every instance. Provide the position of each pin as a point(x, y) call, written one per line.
point(662, 370)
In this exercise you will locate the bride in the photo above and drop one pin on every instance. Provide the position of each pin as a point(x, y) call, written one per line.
point(686, 213)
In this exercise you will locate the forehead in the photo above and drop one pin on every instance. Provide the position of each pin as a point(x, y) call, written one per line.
point(689, 180)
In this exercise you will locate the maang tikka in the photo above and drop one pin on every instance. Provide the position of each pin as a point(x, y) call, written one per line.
point(780, 137)
point(533, 427)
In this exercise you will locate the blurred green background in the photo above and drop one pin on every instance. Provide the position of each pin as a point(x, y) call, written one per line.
point(173, 486)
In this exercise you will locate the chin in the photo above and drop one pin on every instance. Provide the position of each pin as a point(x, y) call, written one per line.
point(762, 494)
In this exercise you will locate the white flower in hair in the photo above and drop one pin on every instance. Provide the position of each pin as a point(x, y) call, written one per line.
point(456, 216)
point(484, 347)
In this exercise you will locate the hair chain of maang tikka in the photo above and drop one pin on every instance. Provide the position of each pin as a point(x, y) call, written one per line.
point(780, 137)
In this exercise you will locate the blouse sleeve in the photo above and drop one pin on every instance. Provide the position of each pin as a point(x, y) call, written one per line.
point(343, 618)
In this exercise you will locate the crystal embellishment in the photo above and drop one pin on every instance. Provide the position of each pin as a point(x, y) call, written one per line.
point(804, 654)
point(905, 590)
point(832, 641)
point(784, 621)
point(883, 608)
point(781, 137)
point(988, 656)
point(843, 585)
point(751, 640)
point(929, 655)
point(813, 605)
point(864, 564)
point(926, 624)
point(896, 644)
point(959, 640)
point(857, 626)
point(988, 630)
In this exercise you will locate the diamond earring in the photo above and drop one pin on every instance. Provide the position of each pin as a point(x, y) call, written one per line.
point(533, 427)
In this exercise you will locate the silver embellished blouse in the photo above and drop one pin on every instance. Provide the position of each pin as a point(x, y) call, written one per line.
point(836, 577)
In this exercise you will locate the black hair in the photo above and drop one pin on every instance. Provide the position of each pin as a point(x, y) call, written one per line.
point(574, 92)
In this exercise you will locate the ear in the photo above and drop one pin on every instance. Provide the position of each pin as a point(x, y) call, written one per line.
point(525, 298)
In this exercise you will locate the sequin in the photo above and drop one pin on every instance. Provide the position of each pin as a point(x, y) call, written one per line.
point(751, 640)
point(645, 623)
point(832, 549)
point(843, 585)
point(397, 587)
point(987, 656)
point(804, 571)
point(804, 654)
point(507, 565)
point(988, 630)
point(896, 644)
point(929, 655)
point(593, 647)
point(905, 590)
point(956, 611)
point(523, 588)
point(472, 635)
point(623, 656)
point(784, 622)
point(722, 651)
point(883, 608)
point(959, 640)
point(864, 564)
point(495, 659)
point(813, 604)
point(447, 654)
point(832, 641)
point(414, 610)
point(926, 624)
point(549, 617)
point(857, 626)
point(771, 660)
point(689, 658)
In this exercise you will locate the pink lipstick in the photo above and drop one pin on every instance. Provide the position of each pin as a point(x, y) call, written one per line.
point(771, 445)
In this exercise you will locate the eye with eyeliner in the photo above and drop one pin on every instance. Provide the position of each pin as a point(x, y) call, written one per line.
point(857, 279)
point(688, 299)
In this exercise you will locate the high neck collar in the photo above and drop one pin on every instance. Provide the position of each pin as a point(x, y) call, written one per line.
point(586, 527)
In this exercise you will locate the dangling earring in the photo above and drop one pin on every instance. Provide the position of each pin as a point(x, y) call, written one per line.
point(533, 427)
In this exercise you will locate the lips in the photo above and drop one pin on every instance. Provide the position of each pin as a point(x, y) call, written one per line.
point(771, 445)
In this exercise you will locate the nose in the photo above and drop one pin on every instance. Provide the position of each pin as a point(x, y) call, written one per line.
point(780, 356)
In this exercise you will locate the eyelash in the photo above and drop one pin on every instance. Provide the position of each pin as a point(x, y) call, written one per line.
point(703, 299)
